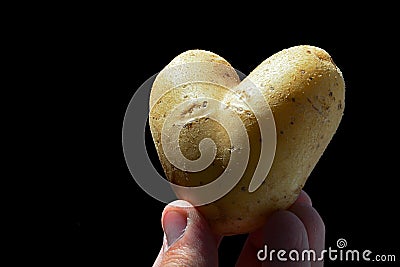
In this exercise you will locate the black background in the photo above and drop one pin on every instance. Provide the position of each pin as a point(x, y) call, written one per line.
point(354, 184)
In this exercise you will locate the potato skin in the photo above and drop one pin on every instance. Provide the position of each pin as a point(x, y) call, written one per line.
point(305, 91)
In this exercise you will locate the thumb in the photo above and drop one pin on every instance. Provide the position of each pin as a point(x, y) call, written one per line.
point(188, 240)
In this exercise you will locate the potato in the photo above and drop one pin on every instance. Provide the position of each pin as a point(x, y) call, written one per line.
point(305, 92)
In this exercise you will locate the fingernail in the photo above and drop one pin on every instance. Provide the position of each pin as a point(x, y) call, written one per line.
point(174, 225)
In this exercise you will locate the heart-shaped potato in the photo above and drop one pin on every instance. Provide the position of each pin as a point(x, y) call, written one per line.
point(304, 90)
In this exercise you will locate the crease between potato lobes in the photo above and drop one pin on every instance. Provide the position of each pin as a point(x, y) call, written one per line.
point(199, 97)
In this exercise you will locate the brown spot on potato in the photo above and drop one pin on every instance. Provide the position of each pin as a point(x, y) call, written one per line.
point(188, 125)
point(339, 105)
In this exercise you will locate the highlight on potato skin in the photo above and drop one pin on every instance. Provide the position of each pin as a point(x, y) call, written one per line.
point(305, 91)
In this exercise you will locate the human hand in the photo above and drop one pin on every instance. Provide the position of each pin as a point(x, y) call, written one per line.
point(188, 240)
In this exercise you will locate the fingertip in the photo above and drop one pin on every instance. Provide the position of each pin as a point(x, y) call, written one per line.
point(178, 206)
point(282, 230)
point(314, 225)
point(286, 230)
point(174, 219)
point(188, 240)
point(174, 225)
point(311, 219)
point(304, 198)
